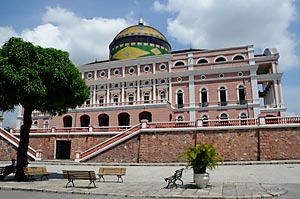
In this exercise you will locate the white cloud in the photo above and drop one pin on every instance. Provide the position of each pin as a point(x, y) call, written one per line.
point(85, 39)
point(6, 33)
point(211, 24)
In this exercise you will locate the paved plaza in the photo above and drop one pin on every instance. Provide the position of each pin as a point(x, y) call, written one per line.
point(231, 180)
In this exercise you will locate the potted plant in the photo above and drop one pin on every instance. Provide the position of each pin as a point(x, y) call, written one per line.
point(199, 158)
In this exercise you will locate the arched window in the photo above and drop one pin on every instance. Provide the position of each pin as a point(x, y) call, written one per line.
point(46, 124)
point(130, 99)
point(238, 57)
point(180, 118)
point(179, 63)
point(202, 61)
point(222, 95)
point(162, 96)
point(243, 115)
point(146, 97)
point(124, 119)
point(116, 100)
point(103, 120)
point(242, 95)
point(145, 115)
point(35, 124)
point(204, 97)
point(220, 59)
point(84, 121)
point(179, 95)
point(101, 100)
point(67, 120)
point(223, 116)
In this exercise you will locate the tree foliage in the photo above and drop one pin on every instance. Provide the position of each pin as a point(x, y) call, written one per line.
point(37, 78)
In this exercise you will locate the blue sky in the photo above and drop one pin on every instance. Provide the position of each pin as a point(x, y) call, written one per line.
point(84, 28)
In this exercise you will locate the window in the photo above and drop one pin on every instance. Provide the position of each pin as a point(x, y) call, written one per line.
point(243, 115)
point(179, 63)
point(204, 100)
point(179, 118)
point(224, 116)
point(220, 59)
point(147, 68)
point(131, 70)
point(116, 100)
point(90, 75)
point(221, 75)
point(242, 95)
point(46, 124)
point(162, 81)
point(222, 95)
point(162, 96)
point(162, 67)
point(179, 79)
point(102, 73)
point(116, 72)
point(146, 97)
point(130, 99)
point(203, 77)
point(202, 61)
point(238, 57)
point(36, 123)
point(179, 95)
point(101, 101)
point(240, 74)
point(205, 117)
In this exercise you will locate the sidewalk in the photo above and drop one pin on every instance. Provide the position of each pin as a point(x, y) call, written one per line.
point(147, 181)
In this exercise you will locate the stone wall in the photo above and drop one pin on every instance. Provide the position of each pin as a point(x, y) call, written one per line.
point(166, 146)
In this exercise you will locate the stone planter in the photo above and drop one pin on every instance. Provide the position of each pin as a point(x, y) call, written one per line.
point(201, 180)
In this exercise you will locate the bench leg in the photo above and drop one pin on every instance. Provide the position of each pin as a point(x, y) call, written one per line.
point(45, 175)
point(70, 180)
point(101, 176)
point(92, 182)
point(169, 182)
point(120, 177)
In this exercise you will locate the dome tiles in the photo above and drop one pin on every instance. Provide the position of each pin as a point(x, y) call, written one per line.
point(138, 41)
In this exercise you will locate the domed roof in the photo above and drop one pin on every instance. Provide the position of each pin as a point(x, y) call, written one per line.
point(138, 41)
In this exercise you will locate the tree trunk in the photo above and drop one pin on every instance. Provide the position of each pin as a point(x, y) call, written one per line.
point(23, 145)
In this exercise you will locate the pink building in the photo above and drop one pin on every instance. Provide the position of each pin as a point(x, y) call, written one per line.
point(144, 79)
point(231, 92)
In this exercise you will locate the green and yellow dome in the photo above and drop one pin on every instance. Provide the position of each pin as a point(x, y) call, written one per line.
point(138, 41)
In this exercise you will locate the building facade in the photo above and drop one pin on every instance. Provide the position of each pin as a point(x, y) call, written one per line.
point(145, 79)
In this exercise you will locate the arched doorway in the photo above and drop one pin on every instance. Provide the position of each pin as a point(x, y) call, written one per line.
point(84, 121)
point(124, 119)
point(67, 121)
point(145, 115)
point(103, 120)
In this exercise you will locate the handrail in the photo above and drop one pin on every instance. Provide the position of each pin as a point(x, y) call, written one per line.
point(15, 141)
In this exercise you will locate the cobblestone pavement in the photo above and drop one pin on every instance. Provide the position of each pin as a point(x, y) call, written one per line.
point(147, 181)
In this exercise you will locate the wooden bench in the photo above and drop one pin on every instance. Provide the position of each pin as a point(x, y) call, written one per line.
point(32, 171)
point(173, 178)
point(117, 171)
point(72, 175)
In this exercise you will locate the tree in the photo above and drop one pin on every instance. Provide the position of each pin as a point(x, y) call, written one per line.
point(42, 79)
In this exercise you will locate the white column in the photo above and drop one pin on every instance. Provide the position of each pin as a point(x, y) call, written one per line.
point(94, 95)
point(154, 91)
point(170, 90)
point(153, 68)
point(123, 71)
point(107, 94)
point(191, 87)
point(122, 93)
point(138, 91)
point(251, 55)
point(255, 96)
